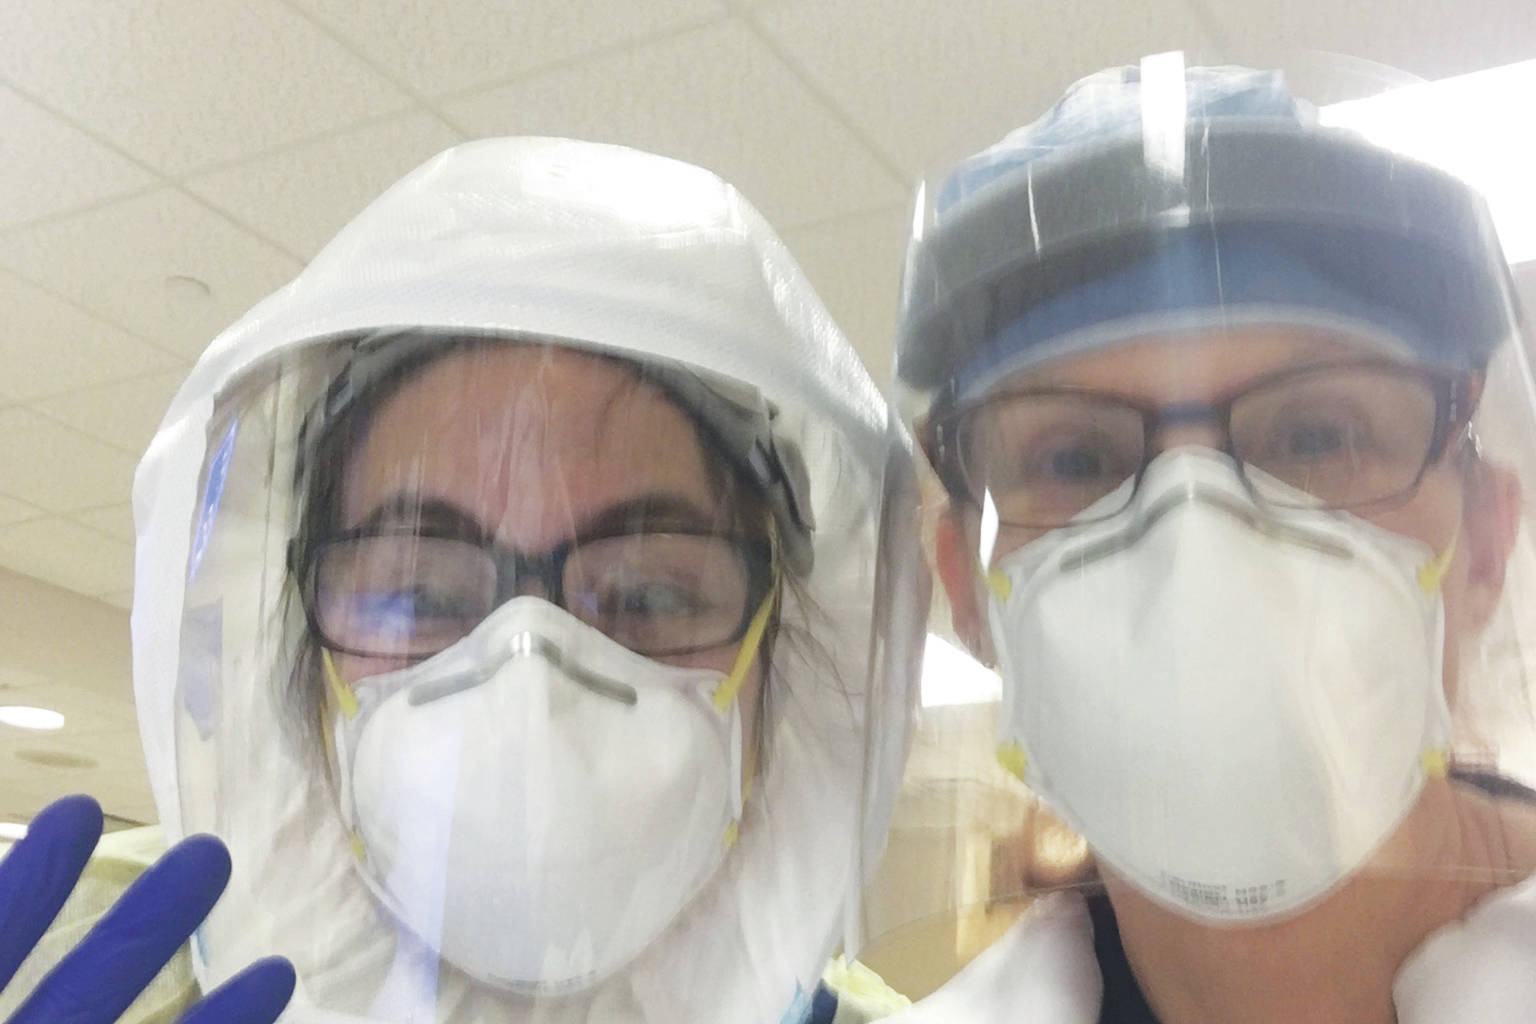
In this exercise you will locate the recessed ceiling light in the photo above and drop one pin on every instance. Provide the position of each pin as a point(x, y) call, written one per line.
point(10, 830)
point(20, 716)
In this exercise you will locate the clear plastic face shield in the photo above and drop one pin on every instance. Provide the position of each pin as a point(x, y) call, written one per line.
point(1232, 421)
point(525, 664)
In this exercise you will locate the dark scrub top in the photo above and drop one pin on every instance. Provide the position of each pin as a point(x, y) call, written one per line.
point(823, 1006)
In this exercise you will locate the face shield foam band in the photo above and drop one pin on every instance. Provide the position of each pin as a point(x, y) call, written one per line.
point(1025, 244)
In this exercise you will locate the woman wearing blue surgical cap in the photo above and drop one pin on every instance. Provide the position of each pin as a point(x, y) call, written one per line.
point(507, 606)
point(1232, 412)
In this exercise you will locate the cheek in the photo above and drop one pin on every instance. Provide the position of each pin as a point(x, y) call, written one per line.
point(352, 667)
point(1434, 516)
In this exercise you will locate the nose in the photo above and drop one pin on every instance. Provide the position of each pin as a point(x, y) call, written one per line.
point(1187, 425)
point(1186, 435)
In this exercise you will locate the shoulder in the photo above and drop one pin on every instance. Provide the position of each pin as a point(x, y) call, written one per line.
point(1475, 969)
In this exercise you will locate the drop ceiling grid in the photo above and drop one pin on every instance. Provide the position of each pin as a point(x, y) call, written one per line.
point(180, 85)
point(75, 262)
point(488, 43)
point(718, 96)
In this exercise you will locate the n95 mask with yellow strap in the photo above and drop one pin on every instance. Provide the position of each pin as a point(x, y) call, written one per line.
point(1234, 707)
point(537, 802)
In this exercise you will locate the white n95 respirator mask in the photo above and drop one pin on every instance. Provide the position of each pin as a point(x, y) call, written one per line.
point(537, 802)
point(1234, 706)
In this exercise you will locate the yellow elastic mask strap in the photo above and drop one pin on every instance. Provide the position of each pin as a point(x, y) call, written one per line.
point(997, 581)
point(731, 685)
point(1432, 573)
point(345, 699)
point(1013, 759)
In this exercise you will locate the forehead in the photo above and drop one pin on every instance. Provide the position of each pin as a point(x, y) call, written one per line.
point(1196, 367)
point(530, 440)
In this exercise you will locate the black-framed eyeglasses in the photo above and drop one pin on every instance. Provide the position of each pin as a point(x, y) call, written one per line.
point(1340, 436)
point(406, 594)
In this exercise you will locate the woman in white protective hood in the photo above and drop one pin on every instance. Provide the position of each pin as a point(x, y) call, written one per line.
point(506, 603)
point(1200, 378)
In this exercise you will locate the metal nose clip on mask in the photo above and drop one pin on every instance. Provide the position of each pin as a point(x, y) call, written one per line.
point(1191, 683)
point(538, 802)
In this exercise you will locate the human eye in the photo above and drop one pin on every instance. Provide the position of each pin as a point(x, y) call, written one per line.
point(1062, 460)
point(382, 613)
point(402, 593)
point(649, 600)
point(1317, 435)
point(658, 592)
point(1054, 442)
point(1075, 460)
point(409, 607)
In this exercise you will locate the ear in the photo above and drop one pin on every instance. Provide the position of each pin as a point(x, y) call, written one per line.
point(954, 547)
point(1490, 521)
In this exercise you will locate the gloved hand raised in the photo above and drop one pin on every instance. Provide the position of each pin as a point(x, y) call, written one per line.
point(101, 976)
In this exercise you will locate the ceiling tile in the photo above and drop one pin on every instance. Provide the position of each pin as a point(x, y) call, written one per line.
point(302, 196)
point(108, 766)
point(119, 599)
point(489, 41)
point(126, 262)
point(182, 84)
point(115, 520)
point(716, 97)
point(950, 76)
point(68, 555)
point(13, 678)
point(48, 346)
point(855, 265)
point(13, 511)
point(47, 166)
point(124, 414)
point(58, 469)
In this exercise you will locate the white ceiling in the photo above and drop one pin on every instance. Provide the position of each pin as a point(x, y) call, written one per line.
point(165, 163)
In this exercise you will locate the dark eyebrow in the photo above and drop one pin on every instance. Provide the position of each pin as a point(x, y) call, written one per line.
point(658, 511)
point(431, 515)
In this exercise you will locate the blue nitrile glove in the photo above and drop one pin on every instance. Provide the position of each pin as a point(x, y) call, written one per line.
point(101, 976)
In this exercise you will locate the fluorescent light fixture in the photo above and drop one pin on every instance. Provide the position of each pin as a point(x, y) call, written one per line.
point(10, 831)
point(1477, 126)
point(951, 676)
point(19, 716)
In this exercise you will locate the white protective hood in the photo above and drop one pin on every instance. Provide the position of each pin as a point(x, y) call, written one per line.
point(611, 250)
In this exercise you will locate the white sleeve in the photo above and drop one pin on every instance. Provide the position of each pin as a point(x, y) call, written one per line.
point(1480, 970)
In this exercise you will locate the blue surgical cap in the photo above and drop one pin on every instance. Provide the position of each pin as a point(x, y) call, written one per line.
point(1397, 255)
